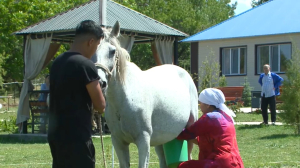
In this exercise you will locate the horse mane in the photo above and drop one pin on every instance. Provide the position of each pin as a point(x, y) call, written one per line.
point(123, 55)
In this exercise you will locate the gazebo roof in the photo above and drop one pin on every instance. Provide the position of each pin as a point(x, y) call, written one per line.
point(64, 24)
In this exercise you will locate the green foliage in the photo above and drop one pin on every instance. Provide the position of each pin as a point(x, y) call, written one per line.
point(222, 81)
point(16, 15)
point(258, 2)
point(209, 73)
point(246, 96)
point(234, 106)
point(8, 125)
point(141, 55)
point(187, 16)
point(290, 113)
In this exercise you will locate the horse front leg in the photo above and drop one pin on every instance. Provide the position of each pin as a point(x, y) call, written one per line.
point(122, 150)
point(161, 156)
point(143, 145)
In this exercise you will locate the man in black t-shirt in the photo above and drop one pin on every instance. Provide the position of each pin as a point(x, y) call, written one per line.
point(74, 89)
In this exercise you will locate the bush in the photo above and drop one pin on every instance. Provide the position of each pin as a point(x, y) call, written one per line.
point(234, 106)
point(222, 81)
point(9, 125)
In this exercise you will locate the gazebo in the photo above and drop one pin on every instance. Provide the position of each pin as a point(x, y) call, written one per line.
point(42, 40)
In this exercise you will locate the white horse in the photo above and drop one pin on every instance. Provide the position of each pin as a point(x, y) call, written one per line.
point(147, 108)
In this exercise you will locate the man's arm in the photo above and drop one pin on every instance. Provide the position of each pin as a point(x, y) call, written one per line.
point(278, 80)
point(96, 95)
point(260, 80)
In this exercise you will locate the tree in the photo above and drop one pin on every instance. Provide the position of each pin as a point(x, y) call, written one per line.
point(258, 2)
point(16, 15)
point(209, 73)
point(187, 16)
point(291, 92)
point(246, 96)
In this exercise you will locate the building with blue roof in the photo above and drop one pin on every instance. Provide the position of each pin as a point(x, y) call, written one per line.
point(266, 34)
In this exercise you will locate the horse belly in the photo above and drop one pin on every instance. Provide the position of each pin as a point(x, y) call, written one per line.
point(170, 116)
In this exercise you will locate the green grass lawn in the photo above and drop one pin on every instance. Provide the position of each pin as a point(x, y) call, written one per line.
point(248, 117)
point(260, 146)
point(252, 117)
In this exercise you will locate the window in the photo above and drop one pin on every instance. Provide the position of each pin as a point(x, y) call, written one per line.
point(276, 55)
point(234, 61)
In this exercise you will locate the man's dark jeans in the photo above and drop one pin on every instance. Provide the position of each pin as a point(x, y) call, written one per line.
point(271, 101)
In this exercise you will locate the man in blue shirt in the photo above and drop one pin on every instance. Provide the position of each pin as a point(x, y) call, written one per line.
point(270, 83)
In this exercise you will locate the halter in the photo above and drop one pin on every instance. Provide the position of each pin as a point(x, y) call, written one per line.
point(101, 66)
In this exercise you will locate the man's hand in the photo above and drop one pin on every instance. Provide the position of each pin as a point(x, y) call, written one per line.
point(96, 96)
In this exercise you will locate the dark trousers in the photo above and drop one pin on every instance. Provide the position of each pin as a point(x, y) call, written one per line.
point(72, 154)
point(271, 101)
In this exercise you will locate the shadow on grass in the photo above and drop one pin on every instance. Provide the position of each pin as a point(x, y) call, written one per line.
point(279, 136)
point(243, 127)
point(21, 139)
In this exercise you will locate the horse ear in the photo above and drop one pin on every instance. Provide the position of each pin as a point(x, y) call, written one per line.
point(115, 30)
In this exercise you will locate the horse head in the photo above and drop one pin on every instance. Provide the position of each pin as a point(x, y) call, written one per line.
point(110, 57)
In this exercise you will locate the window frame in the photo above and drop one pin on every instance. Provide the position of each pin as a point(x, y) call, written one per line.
point(270, 44)
point(246, 60)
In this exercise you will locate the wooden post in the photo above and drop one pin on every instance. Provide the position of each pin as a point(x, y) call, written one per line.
point(24, 123)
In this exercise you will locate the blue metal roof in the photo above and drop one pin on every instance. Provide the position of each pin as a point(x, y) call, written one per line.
point(129, 20)
point(271, 18)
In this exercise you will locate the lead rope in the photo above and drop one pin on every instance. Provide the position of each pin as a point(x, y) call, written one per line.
point(101, 137)
point(100, 123)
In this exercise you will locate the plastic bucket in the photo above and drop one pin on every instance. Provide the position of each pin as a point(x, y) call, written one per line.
point(176, 151)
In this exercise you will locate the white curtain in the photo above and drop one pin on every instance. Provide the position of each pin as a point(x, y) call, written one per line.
point(126, 42)
point(164, 48)
point(35, 54)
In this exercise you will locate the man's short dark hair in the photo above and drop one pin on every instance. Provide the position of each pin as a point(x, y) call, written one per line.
point(89, 27)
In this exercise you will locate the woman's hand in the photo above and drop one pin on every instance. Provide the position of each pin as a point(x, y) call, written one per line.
point(194, 141)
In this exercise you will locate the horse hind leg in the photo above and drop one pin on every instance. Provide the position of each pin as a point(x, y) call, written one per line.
point(143, 145)
point(122, 150)
point(161, 156)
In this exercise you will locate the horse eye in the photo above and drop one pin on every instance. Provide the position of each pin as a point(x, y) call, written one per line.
point(112, 52)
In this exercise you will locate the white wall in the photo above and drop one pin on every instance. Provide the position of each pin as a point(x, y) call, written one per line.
point(213, 46)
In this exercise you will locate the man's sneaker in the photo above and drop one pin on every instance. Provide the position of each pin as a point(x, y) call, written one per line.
point(263, 123)
point(273, 123)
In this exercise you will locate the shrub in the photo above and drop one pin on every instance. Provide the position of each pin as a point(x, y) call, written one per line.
point(246, 96)
point(222, 81)
point(9, 125)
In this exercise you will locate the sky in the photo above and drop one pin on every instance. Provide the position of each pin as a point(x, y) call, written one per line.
point(242, 6)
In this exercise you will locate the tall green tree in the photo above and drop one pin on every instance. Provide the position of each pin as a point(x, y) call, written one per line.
point(291, 92)
point(258, 2)
point(16, 15)
point(189, 16)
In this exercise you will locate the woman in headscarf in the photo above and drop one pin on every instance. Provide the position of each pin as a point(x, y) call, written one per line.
point(215, 134)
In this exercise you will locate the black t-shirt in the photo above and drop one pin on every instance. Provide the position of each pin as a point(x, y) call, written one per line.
point(70, 103)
